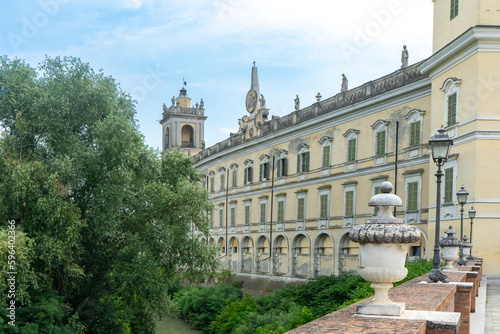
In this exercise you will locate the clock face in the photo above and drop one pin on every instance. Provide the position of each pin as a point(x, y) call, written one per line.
point(251, 100)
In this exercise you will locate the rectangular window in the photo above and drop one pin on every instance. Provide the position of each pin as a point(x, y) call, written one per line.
point(233, 216)
point(248, 175)
point(415, 133)
point(264, 171)
point(281, 211)
point(351, 150)
point(247, 214)
point(452, 109)
point(300, 209)
point(326, 156)
point(380, 143)
point(412, 196)
point(212, 183)
point(262, 212)
point(323, 210)
point(453, 9)
point(235, 174)
point(211, 219)
point(222, 181)
point(282, 167)
point(448, 185)
point(349, 203)
point(221, 216)
point(303, 162)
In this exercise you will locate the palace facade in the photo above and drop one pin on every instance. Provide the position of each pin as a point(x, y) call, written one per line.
point(287, 190)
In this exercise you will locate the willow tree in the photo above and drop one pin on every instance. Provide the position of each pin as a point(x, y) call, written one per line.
point(103, 221)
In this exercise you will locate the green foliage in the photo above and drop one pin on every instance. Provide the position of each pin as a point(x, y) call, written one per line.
point(416, 269)
point(103, 222)
point(232, 315)
point(201, 305)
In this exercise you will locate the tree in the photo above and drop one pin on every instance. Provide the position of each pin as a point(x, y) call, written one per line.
point(106, 222)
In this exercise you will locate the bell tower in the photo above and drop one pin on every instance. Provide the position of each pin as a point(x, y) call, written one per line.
point(453, 17)
point(183, 125)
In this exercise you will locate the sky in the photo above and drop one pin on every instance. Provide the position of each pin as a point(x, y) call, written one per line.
point(151, 46)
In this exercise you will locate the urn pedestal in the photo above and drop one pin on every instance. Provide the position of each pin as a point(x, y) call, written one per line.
point(449, 249)
point(384, 242)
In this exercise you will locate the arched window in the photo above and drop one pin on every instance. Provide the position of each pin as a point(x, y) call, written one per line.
point(187, 136)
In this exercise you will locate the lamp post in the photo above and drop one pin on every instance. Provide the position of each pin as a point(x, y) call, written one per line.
point(440, 148)
point(462, 199)
point(472, 215)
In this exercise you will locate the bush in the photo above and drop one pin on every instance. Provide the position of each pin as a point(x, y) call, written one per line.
point(201, 305)
point(415, 269)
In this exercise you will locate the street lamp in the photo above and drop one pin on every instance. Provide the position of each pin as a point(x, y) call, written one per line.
point(462, 199)
point(440, 148)
point(472, 215)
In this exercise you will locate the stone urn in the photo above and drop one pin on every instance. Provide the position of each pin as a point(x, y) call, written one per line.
point(466, 246)
point(383, 245)
point(449, 249)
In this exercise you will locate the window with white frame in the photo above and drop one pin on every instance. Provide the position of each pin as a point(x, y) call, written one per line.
point(232, 219)
point(248, 173)
point(263, 210)
point(248, 210)
point(221, 215)
point(380, 137)
point(449, 187)
point(282, 165)
point(280, 212)
point(413, 188)
point(414, 122)
point(377, 183)
point(234, 175)
point(212, 181)
point(303, 158)
point(264, 168)
point(351, 137)
point(301, 206)
point(451, 89)
point(222, 172)
point(326, 148)
point(349, 203)
point(324, 203)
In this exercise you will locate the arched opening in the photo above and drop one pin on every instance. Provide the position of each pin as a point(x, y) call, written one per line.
point(280, 255)
point(323, 255)
point(418, 250)
point(187, 136)
point(222, 246)
point(300, 256)
point(247, 254)
point(348, 254)
point(262, 258)
point(233, 254)
point(211, 241)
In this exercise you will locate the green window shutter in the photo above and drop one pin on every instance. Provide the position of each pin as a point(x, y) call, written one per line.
point(349, 203)
point(260, 172)
point(300, 209)
point(247, 215)
point(221, 181)
point(221, 217)
point(415, 133)
point(306, 165)
point(266, 170)
point(381, 143)
point(212, 185)
point(323, 206)
point(351, 150)
point(452, 109)
point(453, 9)
point(234, 176)
point(412, 196)
point(279, 171)
point(281, 213)
point(448, 185)
point(262, 212)
point(299, 158)
point(250, 174)
point(326, 156)
point(233, 216)
point(285, 166)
